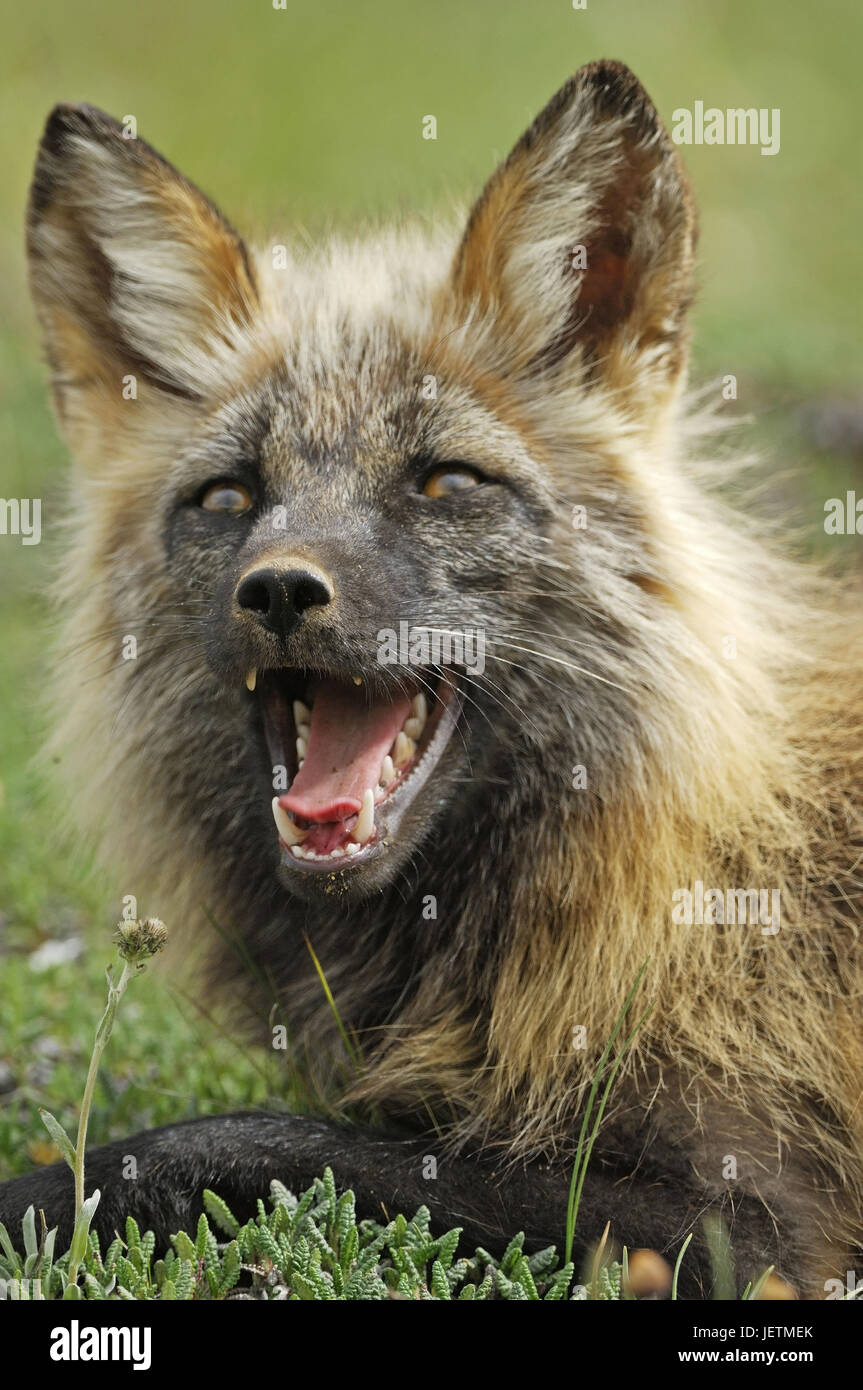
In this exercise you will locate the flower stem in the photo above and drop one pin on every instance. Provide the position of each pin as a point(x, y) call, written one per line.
point(103, 1033)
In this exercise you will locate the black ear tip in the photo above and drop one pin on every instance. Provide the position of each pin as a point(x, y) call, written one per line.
point(611, 79)
point(602, 90)
point(615, 91)
point(73, 118)
point(608, 70)
point(66, 121)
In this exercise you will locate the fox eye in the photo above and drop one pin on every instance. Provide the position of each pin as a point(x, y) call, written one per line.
point(226, 497)
point(443, 482)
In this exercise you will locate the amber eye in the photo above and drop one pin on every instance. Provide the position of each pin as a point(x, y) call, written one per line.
point(443, 482)
point(231, 498)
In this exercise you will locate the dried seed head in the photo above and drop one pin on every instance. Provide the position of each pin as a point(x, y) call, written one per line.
point(138, 941)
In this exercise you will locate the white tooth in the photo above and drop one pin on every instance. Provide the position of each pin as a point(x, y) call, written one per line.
point(414, 725)
point(298, 851)
point(287, 828)
point(300, 762)
point(334, 853)
point(251, 679)
point(304, 731)
point(387, 772)
point(366, 818)
point(404, 750)
point(301, 748)
point(302, 713)
point(351, 848)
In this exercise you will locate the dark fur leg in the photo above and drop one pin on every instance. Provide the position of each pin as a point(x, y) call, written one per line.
point(238, 1155)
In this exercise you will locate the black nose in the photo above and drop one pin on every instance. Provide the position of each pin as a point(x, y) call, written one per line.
point(279, 597)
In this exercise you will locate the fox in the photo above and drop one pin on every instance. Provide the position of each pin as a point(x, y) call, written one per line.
point(291, 473)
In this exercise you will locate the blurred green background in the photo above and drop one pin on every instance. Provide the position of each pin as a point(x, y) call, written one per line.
point(310, 117)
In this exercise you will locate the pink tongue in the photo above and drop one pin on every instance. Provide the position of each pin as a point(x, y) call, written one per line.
point(348, 741)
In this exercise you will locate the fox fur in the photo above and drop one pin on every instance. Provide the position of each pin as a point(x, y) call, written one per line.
point(609, 649)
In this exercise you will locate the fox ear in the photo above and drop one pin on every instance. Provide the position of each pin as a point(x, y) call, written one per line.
point(579, 253)
point(133, 270)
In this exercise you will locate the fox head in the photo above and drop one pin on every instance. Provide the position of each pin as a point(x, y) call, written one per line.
point(355, 526)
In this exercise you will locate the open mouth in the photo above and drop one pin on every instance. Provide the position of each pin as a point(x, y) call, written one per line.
point(354, 758)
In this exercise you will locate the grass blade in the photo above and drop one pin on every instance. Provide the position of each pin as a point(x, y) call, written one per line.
point(349, 1047)
point(677, 1264)
point(585, 1145)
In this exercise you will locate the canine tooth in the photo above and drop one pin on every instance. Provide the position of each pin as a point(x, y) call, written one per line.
point(404, 750)
point(302, 713)
point(287, 828)
point(358, 680)
point(251, 679)
point(297, 850)
point(301, 748)
point(416, 722)
point(387, 772)
point(366, 818)
point(304, 732)
point(351, 848)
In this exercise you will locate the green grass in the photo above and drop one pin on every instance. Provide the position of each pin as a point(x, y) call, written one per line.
point(312, 117)
point(167, 1062)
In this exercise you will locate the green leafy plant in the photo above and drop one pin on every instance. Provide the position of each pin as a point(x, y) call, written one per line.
point(306, 1248)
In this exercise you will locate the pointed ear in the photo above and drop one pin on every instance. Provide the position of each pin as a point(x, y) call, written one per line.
point(578, 257)
point(134, 271)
